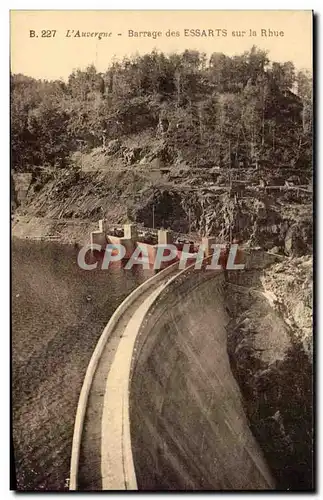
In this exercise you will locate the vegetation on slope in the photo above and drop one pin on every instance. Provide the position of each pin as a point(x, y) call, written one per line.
point(179, 134)
point(223, 111)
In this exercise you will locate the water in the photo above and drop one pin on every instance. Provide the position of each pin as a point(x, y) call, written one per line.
point(58, 314)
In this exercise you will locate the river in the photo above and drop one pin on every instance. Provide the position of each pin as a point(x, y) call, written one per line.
point(58, 314)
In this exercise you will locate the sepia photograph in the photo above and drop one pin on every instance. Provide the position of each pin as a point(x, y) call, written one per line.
point(161, 180)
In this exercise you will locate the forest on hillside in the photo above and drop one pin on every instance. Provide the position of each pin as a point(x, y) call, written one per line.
point(218, 111)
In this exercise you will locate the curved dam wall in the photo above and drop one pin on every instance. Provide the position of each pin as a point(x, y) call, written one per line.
point(188, 427)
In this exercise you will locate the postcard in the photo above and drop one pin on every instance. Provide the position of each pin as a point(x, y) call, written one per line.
point(162, 250)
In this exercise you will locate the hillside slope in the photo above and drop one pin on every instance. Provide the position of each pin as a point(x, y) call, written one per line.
point(215, 147)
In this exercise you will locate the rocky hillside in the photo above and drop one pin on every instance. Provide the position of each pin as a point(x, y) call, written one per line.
point(270, 349)
point(175, 196)
point(220, 146)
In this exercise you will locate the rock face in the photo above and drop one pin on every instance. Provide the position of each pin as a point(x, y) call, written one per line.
point(167, 209)
point(142, 173)
point(298, 239)
point(269, 345)
point(291, 282)
point(187, 408)
point(184, 206)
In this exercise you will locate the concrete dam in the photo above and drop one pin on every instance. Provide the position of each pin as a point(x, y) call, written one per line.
point(160, 408)
point(188, 427)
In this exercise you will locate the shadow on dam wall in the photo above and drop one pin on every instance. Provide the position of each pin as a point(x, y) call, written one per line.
point(188, 427)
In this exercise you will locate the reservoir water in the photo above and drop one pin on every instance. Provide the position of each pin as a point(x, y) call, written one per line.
point(58, 314)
